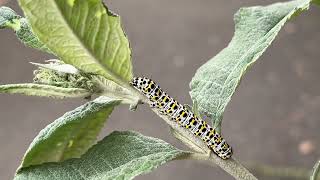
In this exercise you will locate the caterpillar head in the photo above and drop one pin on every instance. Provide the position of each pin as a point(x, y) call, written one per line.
point(140, 82)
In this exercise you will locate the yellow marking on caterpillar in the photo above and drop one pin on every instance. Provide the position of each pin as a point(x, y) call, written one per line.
point(182, 116)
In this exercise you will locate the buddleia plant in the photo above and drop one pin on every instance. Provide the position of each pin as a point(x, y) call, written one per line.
point(93, 61)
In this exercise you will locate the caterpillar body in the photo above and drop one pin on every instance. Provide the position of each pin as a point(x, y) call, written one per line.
point(181, 115)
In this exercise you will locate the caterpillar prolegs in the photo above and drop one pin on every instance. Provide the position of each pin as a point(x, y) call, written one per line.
point(184, 117)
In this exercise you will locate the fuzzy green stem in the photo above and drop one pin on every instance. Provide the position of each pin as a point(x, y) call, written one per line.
point(231, 166)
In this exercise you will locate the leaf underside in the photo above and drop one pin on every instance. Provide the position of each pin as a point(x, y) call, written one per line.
point(255, 28)
point(121, 155)
point(84, 34)
point(42, 90)
point(71, 135)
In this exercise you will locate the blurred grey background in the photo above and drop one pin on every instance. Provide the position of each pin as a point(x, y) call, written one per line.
point(272, 119)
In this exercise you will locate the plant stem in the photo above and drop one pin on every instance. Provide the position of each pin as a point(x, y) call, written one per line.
point(272, 171)
point(315, 171)
point(268, 170)
point(231, 166)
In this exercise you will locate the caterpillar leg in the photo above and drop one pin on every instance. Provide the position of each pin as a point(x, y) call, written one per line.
point(162, 111)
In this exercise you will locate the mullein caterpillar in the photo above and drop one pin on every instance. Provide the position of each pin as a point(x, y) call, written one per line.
point(182, 115)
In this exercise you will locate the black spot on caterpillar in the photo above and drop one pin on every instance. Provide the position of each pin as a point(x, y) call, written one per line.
point(181, 115)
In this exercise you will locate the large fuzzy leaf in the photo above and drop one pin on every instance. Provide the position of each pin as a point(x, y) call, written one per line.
point(255, 28)
point(71, 135)
point(83, 33)
point(121, 155)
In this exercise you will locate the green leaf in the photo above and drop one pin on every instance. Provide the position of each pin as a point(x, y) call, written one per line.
point(25, 35)
point(10, 19)
point(83, 33)
point(7, 15)
point(121, 155)
point(255, 28)
point(71, 135)
point(42, 90)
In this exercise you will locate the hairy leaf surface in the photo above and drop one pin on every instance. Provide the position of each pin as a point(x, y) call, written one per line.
point(71, 135)
point(121, 155)
point(255, 28)
point(83, 33)
point(7, 15)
